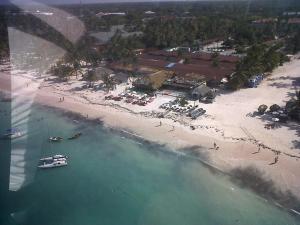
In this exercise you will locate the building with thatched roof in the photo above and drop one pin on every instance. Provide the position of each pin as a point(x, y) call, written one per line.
point(152, 81)
point(201, 91)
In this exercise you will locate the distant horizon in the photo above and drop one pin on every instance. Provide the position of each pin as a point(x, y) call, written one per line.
point(66, 2)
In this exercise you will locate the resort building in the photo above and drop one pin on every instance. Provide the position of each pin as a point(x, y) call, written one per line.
point(152, 81)
point(203, 64)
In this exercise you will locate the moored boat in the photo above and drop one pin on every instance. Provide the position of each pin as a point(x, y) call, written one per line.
point(77, 135)
point(55, 157)
point(53, 164)
point(13, 133)
point(55, 139)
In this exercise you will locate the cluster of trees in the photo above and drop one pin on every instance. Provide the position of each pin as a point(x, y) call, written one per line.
point(171, 31)
point(293, 107)
point(260, 59)
point(293, 43)
point(62, 71)
point(108, 81)
point(122, 48)
point(84, 50)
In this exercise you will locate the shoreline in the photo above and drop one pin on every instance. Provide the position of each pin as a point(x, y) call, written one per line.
point(234, 134)
point(191, 153)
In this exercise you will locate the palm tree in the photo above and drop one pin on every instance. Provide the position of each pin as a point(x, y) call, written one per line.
point(215, 59)
point(62, 71)
point(91, 77)
point(77, 67)
point(108, 81)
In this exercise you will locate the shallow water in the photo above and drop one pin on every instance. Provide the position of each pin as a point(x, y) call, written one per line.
point(113, 179)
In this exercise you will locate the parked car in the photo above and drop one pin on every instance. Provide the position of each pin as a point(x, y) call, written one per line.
point(196, 113)
point(206, 100)
point(283, 117)
point(255, 80)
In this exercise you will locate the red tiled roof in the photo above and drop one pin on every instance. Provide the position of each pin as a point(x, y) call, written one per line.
point(203, 68)
point(200, 63)
point(200, 56)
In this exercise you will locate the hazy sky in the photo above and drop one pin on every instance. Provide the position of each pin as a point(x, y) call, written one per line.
point(93, 1)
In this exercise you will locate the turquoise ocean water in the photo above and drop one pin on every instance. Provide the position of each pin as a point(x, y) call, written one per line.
point(116, 180)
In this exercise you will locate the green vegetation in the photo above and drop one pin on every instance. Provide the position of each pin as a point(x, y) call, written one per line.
point(191, 24)
point(293, 43)
point(62, 71)
point(171, 31)
point(293, 107)
point(260, 59)
point(121, 49)
point(91, 76)
point(262, 108)
point(108, 81)
point(215, 60)
point(182, 101)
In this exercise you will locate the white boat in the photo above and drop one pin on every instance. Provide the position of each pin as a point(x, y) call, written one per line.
point(55, 139)
point(13, 133)
point(55, 157)
point(53, 164)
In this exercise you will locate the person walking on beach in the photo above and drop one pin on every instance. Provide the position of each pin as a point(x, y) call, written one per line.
point(160, 123)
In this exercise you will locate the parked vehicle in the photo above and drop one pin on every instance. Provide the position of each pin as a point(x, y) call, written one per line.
point(283, 117)
point(206, 99)
point(195, 113)
point(13, 133)
point(255, 80)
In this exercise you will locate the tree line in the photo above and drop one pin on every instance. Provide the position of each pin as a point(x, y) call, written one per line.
point(260, 59)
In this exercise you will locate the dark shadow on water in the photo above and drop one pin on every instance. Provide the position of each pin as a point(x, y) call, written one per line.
point(250, 177)
point(255, 180)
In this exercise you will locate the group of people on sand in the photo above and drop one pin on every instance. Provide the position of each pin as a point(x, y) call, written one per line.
point(61, 99)
point(216, 147)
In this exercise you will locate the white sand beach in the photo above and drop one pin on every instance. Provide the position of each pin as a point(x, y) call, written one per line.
point(228, 122)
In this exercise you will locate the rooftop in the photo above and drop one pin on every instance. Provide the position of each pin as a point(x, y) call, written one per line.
point(199, 63)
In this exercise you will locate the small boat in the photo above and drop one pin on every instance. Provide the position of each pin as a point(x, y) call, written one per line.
point(12, 134)
point(77, 135)
point(53, 158)
point(53, 164)
point(55, 139)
